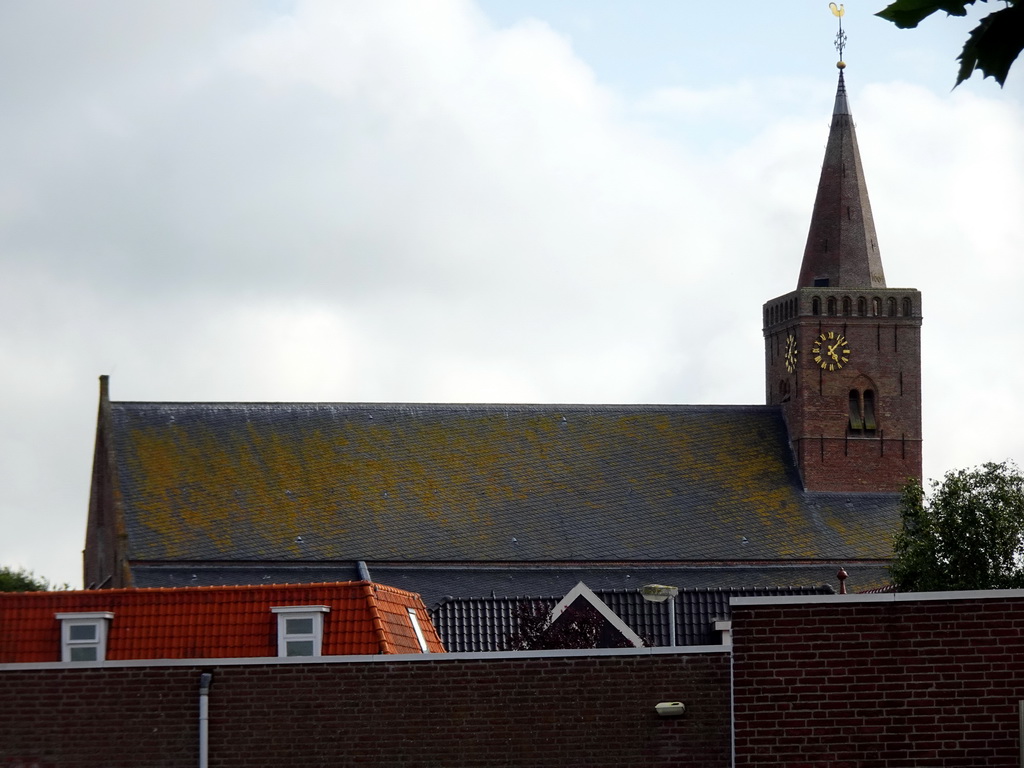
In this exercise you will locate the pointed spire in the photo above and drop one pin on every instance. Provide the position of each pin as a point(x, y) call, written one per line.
point(842, 106)
point(842, 249)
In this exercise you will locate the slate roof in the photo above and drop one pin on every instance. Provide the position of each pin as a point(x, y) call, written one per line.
point(486, 624)
point(214, 622)
point(309, 483)
point(842, 246)
point(440, 581)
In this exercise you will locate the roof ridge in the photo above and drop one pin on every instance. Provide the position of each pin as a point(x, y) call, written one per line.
point(383, 637)
point(355, 405)
point(193, 589)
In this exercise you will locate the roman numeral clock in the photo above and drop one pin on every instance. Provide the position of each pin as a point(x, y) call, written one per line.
point(831, 351)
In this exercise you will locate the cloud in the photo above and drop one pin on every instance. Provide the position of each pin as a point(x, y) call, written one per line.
point(954, 178)
point(402, 201)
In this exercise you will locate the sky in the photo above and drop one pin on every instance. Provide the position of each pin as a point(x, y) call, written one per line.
point(548, 201)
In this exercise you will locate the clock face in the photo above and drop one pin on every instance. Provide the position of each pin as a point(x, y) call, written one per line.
point(791, 353)
point(831, 351)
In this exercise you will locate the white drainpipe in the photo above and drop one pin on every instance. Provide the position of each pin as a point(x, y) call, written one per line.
point(204, 718)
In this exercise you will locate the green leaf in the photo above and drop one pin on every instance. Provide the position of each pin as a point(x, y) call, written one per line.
point(993, 45)
point(906, 14)
point(968, 535)
point(21, 580)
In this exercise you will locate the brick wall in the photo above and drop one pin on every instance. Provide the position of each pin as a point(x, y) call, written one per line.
point(885, 358)
point(844, 682)
point(858, 465)
point(892, 683)
point(531, 711)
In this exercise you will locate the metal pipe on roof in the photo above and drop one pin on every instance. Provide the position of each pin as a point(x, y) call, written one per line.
point(364, 572)
point(204, 718)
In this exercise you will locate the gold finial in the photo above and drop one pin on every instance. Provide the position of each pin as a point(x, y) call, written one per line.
point(838, 11)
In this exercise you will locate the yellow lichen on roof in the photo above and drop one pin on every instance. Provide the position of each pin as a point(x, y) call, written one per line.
point(466, 483)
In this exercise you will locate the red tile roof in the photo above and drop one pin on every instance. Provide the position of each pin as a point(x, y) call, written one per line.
point(215, 622)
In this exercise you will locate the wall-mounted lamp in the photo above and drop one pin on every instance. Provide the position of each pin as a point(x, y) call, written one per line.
point(670, 708)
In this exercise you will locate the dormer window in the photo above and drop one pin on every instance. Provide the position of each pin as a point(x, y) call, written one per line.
point(300, 629)
point(83, 636)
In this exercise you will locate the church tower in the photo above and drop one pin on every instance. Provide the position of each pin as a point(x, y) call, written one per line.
point(843, 351)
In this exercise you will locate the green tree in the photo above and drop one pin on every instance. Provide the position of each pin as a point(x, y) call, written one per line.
point(21, 580)
point(968, 535)
point(991, 46)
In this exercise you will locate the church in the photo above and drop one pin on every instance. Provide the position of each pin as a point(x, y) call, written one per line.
point(468, 500)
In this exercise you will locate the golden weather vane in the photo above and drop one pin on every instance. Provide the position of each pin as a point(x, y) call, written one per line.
point(838, 11)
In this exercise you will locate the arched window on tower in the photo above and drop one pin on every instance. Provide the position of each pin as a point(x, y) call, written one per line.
point(891, 307)
point(862, 412)
point(862, 306)
point(847, 306)
point(784, 392)
point(856, 420)
point(876, 306)
point(815, 306)
point(908, 307)
point(831, 305)
point(869, 411)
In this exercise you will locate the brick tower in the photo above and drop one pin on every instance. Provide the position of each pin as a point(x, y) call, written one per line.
point(843, 351)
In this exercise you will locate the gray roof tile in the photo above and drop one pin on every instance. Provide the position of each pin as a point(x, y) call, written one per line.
point(487, 623)
point(477, 483)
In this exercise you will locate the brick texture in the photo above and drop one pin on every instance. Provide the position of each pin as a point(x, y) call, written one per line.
point(885, 357)
point(865, 685)
point(560, 711)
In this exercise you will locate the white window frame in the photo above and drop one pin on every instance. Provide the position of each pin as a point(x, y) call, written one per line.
point(420, 638)
point(288, 612)
point(98, 620)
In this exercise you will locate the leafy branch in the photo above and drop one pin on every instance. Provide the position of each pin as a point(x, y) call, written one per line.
point(991, 47)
